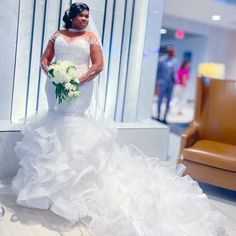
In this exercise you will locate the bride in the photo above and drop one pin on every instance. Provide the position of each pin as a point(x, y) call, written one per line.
point(73, 166)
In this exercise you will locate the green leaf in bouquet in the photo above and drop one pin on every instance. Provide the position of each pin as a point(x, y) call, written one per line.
point(54, 83)
point(73, 82)
point(70, 67)
point(54, 63)
point(51, 72)
point(61, 93)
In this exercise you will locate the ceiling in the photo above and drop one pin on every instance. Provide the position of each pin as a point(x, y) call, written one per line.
point(202, 10)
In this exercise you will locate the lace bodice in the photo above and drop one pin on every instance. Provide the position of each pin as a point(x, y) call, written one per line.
point(77, 50)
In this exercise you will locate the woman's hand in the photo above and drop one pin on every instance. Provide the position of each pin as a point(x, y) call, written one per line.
point(44, 67)
point(82, 79)
point(47, 56)
point(89, 75)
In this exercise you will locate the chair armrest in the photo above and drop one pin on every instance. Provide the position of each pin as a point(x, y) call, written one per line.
point(189, 137)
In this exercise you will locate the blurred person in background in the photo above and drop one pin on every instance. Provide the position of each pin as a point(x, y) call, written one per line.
point(165, 81)
point(183, 75)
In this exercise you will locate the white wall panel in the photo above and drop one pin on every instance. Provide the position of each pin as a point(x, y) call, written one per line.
point(124, 61)
point(34, 62)
point(114, 59)
point(8, 36)
point(135, 59)
point(107, 42)
point(149, 63)
point(22, 58)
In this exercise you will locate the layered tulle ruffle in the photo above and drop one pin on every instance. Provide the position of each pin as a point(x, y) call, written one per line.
point(73, 166)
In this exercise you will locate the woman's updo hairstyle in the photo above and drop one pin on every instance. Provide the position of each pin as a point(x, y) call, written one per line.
point(74, 10)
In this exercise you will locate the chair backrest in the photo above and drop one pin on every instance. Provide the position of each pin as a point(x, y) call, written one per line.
point(215, 109)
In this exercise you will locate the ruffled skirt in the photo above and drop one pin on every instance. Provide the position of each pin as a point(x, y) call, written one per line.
point(73, 166)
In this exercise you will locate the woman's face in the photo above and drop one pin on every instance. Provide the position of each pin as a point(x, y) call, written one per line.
point(81, 21)
point(187, 65)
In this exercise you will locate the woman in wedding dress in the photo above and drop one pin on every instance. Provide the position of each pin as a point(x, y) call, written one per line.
point(73, 166)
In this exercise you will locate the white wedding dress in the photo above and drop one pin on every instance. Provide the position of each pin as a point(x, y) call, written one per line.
point(73, 166)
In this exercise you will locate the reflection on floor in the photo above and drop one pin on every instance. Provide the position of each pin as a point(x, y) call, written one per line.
point(223, 201)
point(179, 113)
point(178, 128)
point(22, 221)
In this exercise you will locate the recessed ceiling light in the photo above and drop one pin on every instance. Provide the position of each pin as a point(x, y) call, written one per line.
point(163, 31)
point(216, 17)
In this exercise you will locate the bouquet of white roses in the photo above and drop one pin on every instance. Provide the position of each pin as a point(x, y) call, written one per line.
point(64, 76)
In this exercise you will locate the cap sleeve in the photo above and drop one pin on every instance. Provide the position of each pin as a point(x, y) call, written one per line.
point(54, 36)
point(93, 39)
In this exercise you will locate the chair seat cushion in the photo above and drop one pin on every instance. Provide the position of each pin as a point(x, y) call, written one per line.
point(211, 153)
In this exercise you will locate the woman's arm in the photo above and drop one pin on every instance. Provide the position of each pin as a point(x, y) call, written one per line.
point(48, 55)
point(97, 63)
point(184, 79)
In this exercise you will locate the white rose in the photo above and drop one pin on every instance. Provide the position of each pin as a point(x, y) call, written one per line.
point(70, 86)
point(66, 63)
point(71, 94)
point(64, 72)
point(73, 88)
point(59, 77)
point(77, 80)
point(76, 93)
point(67, 78)
point(63, 69)
point(72, 73)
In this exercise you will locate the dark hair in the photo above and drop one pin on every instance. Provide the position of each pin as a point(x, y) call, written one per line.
point(170, 51)
point(169, 47)
point(184, 63)
point(74, 10)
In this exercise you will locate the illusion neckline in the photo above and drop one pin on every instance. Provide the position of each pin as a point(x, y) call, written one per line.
point(76, 38)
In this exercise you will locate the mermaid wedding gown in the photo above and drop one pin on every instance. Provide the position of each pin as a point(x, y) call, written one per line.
point(73, 166)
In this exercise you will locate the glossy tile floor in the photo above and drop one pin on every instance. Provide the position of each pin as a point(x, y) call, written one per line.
point(22, 221)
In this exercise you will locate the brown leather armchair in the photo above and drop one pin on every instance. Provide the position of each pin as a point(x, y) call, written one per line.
point(208, 147)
